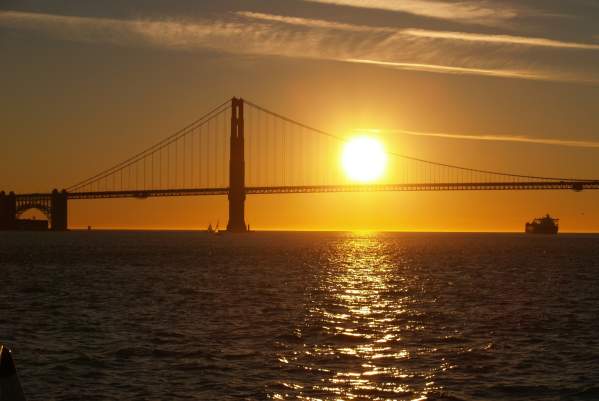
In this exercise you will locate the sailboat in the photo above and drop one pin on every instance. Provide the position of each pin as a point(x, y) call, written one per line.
point(216, 229)
point(210, 229)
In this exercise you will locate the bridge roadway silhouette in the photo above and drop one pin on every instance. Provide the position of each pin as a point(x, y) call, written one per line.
point(54, 205)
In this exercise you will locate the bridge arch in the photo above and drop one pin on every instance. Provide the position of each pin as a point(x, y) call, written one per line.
point(45, 210)
point(43, 204)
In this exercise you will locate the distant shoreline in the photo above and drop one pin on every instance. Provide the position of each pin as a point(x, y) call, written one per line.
point(191, 230)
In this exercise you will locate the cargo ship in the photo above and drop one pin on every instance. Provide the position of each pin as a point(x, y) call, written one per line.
point(542, 225)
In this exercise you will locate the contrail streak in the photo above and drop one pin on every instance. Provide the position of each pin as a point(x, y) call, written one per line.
point(500, 138)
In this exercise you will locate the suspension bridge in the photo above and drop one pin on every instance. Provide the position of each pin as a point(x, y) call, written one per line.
point(239, 149)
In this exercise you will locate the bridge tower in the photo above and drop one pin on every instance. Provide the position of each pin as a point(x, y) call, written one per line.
point(59, 210)
point(237, 169)
point(8, 211)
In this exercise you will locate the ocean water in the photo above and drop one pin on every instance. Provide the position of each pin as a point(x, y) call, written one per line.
point(365, 316)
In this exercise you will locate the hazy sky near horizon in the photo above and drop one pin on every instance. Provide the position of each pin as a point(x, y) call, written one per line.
point(504, 85)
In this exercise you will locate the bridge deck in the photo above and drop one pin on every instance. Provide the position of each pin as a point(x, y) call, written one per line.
point(449, 186)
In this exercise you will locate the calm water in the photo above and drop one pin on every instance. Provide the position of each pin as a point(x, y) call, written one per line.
point(167, 315)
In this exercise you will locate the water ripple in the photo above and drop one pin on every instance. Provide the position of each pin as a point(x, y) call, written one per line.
point(124, 315)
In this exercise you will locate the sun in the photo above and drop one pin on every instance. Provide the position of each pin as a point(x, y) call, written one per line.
point(364, 159)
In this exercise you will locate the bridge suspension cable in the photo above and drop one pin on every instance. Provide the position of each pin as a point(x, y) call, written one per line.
point(176, 160)
point(281, 155)
point(410, 158)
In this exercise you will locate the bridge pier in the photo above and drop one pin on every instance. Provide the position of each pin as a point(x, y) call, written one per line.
point(8, 211)
point(59, 211)
point(237, 170)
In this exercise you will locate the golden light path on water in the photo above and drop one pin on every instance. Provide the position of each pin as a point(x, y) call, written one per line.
point(360, 337)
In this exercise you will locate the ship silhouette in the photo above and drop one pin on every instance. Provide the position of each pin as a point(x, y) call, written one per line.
point(542, 225)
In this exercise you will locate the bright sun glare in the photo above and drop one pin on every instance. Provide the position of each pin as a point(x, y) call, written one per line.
point(364, 159)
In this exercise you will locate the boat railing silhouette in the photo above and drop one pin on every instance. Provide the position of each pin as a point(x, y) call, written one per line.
point(10, 386)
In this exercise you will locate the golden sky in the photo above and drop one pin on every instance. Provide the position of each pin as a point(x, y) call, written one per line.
point(500, 85)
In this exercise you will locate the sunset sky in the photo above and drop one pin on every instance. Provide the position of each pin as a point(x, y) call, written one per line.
point(500, 85)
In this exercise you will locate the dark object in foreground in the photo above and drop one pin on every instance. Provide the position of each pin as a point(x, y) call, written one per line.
point(542, 225)
point(10, 387)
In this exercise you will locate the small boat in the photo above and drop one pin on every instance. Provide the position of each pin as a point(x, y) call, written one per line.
point(216, 229)
point(542, 225)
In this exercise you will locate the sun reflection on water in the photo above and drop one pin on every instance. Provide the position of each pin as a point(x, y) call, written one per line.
point(360, 337)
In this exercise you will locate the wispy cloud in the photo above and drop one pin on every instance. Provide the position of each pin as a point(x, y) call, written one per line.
point(424, 33)
point(479, 11)
point(454, 70)
point(503, 138)
point(501, 39)
point(395, 36)
point(274, 35)
point(313, 23)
